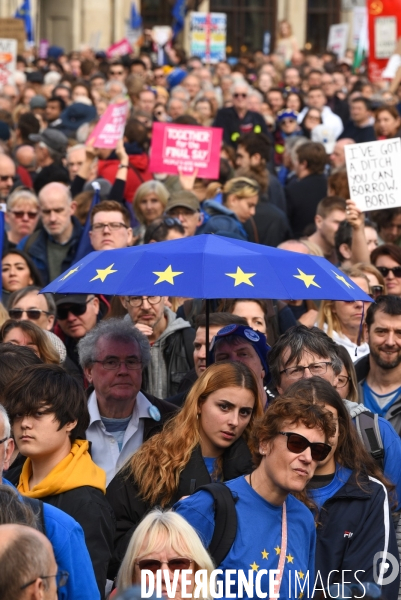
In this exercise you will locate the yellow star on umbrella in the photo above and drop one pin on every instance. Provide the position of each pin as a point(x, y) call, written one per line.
point(103, 273)
point(342, 278)
point(307, 279)
point(277, 549)
point(167, 275)
point(301, 575)
point(254, 566)
point(290, 558)
point(70, 272)
point(241, 277)
point(265, 554)
point(301, 595)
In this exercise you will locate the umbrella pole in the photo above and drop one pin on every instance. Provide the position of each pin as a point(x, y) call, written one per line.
point(207, 332)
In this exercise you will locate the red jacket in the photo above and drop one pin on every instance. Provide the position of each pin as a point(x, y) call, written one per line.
point(137, 173)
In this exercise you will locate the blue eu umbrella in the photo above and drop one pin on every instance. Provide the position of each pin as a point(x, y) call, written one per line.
point(207, 266)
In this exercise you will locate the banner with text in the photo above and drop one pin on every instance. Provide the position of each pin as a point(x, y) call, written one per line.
point(208, 36)
point(8, 58)
point(338, 39)
point(374, 173)
point(110, 128)
point(186, 148)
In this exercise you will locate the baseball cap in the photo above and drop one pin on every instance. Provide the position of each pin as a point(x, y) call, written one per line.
point(70, 299)
point(38, 101)
point(51, 137)
point(256, 338)
point(287, 114)
point(185, 199)
point(175, 77)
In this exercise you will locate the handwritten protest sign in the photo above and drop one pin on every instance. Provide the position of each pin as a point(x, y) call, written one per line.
point(110, 128)
point(8, 57)
point(374, 173)
point(185, 148)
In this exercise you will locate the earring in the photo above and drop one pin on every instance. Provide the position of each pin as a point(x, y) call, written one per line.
point(197, 416)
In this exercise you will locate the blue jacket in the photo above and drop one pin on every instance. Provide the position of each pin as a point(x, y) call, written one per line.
point(353, 525)
point(67, 538)
point(221, 221)
point(35, 245)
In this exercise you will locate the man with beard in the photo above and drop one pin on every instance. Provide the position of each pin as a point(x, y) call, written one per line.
point(379, 373)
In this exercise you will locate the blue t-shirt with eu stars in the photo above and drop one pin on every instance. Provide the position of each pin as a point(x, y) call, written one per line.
point(257, 544)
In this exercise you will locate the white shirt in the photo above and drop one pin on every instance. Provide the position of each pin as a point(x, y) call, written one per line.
point(104, 450)
point(329, 119)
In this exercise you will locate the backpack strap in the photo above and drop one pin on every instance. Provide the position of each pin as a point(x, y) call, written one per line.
point(37, 507)
point(367, 425)
point(225, 516)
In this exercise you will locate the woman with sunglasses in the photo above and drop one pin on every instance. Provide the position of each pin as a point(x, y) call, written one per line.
point(149, 204)
point(25, 333)
point(206, 441)
point(17, 272)
point(343, 321)
point(22, 215)
point(351, 497)
point(164, 540)
point(387, 260)
point(274, 529)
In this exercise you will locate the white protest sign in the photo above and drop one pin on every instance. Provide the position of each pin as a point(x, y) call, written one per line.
point(8, 58)
point(374, 173)
point(385, 36)
point(338, 39)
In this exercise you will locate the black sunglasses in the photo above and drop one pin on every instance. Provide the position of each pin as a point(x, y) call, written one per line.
point(76, 309)
point(298, 443)
point(396, 271)
point(32, 313)
point(175, 564)
point(376, 291)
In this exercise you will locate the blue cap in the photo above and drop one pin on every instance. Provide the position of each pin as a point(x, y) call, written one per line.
point(255, 338)
point(287, 114)
point(175, 77)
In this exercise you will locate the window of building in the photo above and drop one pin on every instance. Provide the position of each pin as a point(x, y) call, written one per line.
point(320, 15)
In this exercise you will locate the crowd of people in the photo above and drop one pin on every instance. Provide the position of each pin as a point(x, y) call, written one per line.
point(119, 422)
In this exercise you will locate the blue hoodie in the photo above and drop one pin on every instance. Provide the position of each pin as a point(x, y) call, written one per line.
point(67, 538)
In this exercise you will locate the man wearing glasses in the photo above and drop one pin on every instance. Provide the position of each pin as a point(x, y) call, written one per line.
point(171, 339)
point(110, 226)
point(113, 356)
point(237, 120)
point(36, 576)
point(304, 352)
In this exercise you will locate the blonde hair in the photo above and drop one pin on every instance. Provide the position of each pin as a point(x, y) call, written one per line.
point(241, 187)
point(146, 188)
point(176, 533)
point(326, 316)
point(21, 195)
point(3, 314)
point(369, 268)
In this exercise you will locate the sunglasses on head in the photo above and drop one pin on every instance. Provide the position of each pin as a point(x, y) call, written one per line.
point(32, 313)
point(175, 564)
point(75, 309)
point(396, 271)
point(298, 443)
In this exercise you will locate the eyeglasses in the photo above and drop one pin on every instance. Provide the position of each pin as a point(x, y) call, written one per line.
point(375, 291)
point(19, 214)
point(137, 301)
point(61, 579)
point(111, 364)
point(236, 95)
point(298, 443)
point(318, 369)
point(396, 271)
point(113, 226)
point(175, 564)
point(116, 72)
point(287, 121)
point(342, 381)
point(32, 313)
point(4, 440)
point(7, 177)
point(76, 309)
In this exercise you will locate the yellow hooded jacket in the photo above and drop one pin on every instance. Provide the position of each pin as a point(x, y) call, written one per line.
point(74, 471)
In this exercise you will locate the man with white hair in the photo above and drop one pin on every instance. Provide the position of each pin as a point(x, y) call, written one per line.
point(255, 100)
point(176, 107)
point(237, 119)
point(53, 247)
point(76, 156)
point(115, 88)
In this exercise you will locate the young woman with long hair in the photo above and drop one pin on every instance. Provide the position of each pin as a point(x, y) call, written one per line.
point(352, 497)
point(206, 441)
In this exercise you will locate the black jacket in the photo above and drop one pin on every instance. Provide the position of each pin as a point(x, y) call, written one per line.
point(129, 508)
point(269, 226)
point(233, 127)
point(303, 196)
point(353, 525)
point(358, 134)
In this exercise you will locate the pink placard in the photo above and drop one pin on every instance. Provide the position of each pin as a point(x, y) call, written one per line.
point(119, 48)
point(185, 148)
point(110, 128)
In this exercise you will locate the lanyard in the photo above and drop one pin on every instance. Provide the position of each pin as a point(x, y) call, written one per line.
point(283, 552)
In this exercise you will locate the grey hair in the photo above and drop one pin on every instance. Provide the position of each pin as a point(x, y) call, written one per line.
point(300, 339)
point(240, 84)
point(72, 149)
point(54, 154)
point(112, 329)
point(256, 94)
point(19, 294)
point(25, 195)
point(6, 422)
point(115, 82)
point(182, 90)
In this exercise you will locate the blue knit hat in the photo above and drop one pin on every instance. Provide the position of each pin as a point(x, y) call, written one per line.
point(255, 338)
